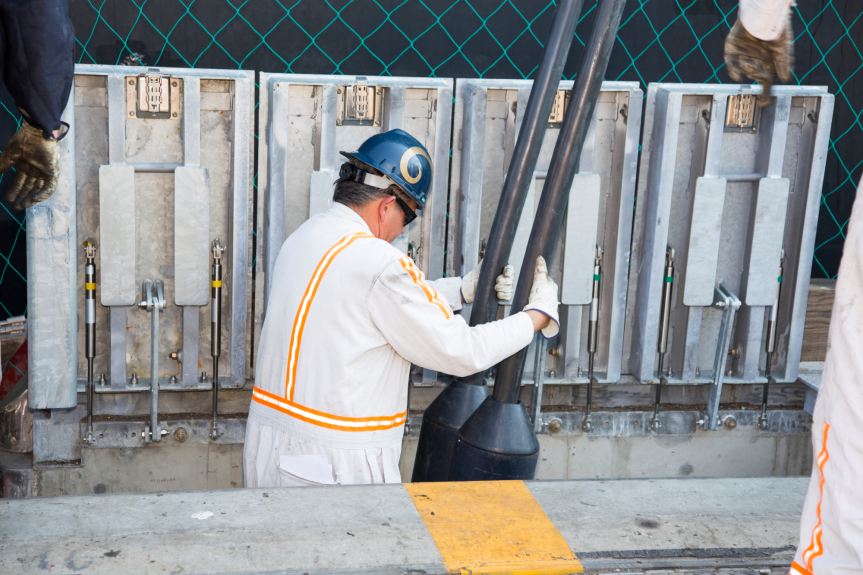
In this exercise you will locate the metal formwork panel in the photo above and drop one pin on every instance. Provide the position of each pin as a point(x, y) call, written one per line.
point(487, 119)
point(306, 120)
point(151, 190)
point(731, 193)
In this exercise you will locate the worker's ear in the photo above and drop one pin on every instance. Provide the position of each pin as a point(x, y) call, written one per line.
point(385, 206)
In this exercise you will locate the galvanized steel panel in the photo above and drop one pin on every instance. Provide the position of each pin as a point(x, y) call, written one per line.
point(116, 256)
point(703, 250)
point(786, 148)
point(52, 305)
point(579, 242)
point(487, 118)
point(769, 225)
point(191, 236)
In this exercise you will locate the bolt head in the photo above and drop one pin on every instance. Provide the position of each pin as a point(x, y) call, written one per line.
point(180, 435)
point(554, 426)
point(174, 114)
point(131, 113)
point(131, 82)
point(730, 422)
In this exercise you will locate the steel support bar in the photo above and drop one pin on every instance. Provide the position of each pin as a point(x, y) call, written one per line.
point(728, 303)
point(564, 162)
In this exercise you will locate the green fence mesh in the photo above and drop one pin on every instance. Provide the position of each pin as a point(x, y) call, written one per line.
point(659, 41)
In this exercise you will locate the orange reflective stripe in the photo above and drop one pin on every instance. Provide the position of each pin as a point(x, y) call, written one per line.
point(305, 305)
point(815, 548)
point(328, 420)
point(798, 569)
point(431, 294)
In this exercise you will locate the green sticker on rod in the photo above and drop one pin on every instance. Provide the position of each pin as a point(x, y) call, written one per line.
point(669, 279)
point(596, 277)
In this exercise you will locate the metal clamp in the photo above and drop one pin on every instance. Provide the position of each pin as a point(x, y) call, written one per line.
point(153, 300)
point(728, 303)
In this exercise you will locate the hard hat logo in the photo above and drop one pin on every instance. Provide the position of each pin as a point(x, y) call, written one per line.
point(409, 154)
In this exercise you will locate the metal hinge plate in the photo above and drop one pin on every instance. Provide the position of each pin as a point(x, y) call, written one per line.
point(359, 105)
point(558, 108)
point(742, 114)
point(153, 96)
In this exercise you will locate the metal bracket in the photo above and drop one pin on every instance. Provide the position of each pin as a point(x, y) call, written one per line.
point(153, 97)
point(359, 105)
point(558, 108)
point(725, 301)
point(742, 114)
point(153, 300)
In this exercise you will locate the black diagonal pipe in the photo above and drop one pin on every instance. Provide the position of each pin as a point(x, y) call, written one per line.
point(454, 405)
point(498, 441)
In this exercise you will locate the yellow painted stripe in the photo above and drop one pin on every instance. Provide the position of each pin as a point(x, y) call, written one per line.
point(217, 284)
point(89, 286)
point(492, 527)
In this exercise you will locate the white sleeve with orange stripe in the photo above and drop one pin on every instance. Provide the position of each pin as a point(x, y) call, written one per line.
point(422, 329)
point(450, 291)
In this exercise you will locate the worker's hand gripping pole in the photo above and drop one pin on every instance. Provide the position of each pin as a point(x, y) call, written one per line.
point(153, 300)
point(592, 323)
point(216, 327)
point(770, 345)
point(665, 308)
point(90, 330)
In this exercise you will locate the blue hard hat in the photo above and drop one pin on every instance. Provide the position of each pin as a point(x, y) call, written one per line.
point(400, 157)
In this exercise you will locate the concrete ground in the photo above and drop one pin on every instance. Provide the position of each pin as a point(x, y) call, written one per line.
point(645, 525)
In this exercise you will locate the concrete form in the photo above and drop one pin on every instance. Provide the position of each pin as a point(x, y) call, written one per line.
point(627, 525)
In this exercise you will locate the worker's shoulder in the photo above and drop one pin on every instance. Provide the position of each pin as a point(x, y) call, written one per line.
point(376, 254)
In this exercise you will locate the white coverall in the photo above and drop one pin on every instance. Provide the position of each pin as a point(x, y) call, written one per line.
point(347, 316)
point(831, 527)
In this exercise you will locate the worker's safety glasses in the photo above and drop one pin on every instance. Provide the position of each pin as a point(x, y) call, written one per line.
point(409, 214)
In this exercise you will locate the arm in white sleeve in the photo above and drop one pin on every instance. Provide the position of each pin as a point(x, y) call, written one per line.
point(450, 289)
point(764, 19)
point(422, 329)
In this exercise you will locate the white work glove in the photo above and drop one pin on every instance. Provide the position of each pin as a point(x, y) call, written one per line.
point(502, 285)
point(543, 298)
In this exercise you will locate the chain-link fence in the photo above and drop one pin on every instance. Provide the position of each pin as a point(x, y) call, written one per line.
point(659, 41)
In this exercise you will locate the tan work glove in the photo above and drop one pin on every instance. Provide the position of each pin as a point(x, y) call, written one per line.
point(760, 60)
point(543, 298)
point(38, 161)
point(502, 285)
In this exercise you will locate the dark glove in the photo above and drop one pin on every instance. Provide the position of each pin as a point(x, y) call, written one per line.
point(38, 161)
point(760, 60)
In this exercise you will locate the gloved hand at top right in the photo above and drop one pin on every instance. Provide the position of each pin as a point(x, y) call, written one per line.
point(760, 60)
point(38, 161)
point(543, 298)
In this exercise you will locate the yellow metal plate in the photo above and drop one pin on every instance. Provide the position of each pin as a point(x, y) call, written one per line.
point(492, 527)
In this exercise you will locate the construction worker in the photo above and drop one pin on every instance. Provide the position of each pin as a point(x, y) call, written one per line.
point(37, 59)
point(350, 313)
point(831, 527)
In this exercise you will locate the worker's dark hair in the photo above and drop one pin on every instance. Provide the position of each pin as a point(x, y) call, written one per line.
point(356, 195)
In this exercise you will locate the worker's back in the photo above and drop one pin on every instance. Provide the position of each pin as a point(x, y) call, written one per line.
point(325, 372)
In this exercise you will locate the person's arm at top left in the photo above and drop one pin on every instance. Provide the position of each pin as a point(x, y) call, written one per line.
point(38, 72)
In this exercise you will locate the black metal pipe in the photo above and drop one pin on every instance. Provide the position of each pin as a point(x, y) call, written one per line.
point(523, 163)
point(561, 172)
point(455, 404)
